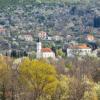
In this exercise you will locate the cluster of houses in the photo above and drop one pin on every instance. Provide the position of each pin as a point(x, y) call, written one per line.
point(73, 50)
point(59, 26)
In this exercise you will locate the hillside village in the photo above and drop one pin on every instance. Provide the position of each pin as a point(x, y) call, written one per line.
point(59, 28)
point(49, 49)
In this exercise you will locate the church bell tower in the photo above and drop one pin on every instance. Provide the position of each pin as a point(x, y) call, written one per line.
point(39, 47)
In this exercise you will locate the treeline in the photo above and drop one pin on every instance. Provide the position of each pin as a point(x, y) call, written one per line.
point(49, 80)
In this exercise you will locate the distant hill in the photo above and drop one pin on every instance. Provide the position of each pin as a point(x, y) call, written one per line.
point(13, 2)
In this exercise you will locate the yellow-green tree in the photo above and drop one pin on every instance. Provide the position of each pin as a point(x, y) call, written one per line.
point(62, 91)
point(39, 77)
point(60, 53)
point(97, 88)
point(90, 91)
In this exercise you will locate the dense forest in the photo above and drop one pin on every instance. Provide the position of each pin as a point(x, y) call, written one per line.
point(9, 2)
point(31, 79)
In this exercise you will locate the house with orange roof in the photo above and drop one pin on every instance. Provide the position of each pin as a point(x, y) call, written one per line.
point(44, 52)
point(78, 50)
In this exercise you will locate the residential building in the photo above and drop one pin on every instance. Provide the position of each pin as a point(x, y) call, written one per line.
point(44, 52)
point(78, 50)
point(28, 38)
point(42, 35)
point(57, 38)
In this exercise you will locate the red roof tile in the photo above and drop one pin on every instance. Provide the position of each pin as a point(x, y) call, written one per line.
point(46, 50)
point(82, 46)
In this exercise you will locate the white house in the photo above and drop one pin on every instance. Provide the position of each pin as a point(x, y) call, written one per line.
point(42, 35)
point(49, 38)
point(79, 50)
point(57, 38)
point(44, 52)
point(27, 38)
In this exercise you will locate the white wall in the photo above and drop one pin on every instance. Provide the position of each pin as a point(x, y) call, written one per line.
point(48, 55)
point(78, 52)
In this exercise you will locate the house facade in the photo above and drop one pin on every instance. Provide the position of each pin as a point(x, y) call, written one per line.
point(79, 50)
point(27, 38)
point(42, 35)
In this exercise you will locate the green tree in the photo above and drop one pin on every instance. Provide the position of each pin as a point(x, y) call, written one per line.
point(60, 53)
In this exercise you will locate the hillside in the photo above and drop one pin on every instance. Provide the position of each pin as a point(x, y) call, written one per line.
point(10, 2)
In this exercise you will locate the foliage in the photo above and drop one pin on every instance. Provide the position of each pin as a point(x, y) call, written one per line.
point(90, 93)
point(39, 76)
point(38, 80)
point(62, 89)
point(69, 66)
point(59, 52)
point(18, 54)
point(97, 88)
point(9, 2)
point(32, 55)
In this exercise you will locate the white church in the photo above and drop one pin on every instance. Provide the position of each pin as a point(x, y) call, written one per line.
point(44, 52)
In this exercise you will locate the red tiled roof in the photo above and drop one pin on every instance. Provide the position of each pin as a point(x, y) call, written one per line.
point(46, 50)
point(82, 46)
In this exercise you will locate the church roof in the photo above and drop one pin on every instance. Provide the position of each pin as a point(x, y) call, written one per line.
point(46, 50)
